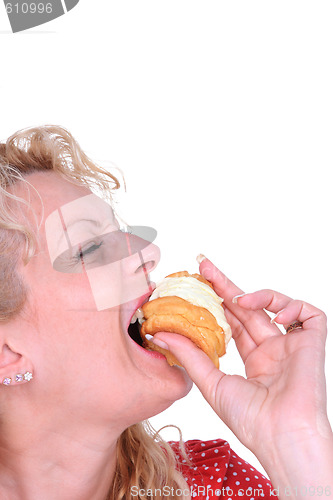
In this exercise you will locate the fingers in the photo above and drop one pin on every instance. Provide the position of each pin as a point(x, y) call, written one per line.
point(197, 364)
point(310, 316)
point(225, 393)
point(244, 342)
point(263, 299)
point(286, 309)
point(248, 318)
point(223, 286)
point(255, 322)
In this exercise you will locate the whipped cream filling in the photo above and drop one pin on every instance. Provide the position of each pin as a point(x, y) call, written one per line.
point(198, 294)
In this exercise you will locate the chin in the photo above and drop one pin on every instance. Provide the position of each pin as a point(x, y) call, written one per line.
point(174, 386)
point(155, 406)
point(182, 381)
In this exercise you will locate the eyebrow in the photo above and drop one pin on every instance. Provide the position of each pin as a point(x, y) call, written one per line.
point(93, 221)
point(66, 227)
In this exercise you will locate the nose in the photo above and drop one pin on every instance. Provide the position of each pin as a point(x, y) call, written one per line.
point(145, 254)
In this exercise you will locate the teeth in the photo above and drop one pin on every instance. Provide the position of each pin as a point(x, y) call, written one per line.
point(138, 315)
point(133, 320)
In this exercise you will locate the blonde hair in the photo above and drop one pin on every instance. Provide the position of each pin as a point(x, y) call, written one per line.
point(144, 459)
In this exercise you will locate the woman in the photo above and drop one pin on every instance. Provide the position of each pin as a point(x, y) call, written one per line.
point(76, 390)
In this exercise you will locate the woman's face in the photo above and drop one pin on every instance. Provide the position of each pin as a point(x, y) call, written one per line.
point(85, 283)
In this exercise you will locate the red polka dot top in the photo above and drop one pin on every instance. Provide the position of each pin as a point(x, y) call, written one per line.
point(217, 472)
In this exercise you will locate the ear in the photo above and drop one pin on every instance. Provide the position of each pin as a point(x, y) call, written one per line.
point(15, 368)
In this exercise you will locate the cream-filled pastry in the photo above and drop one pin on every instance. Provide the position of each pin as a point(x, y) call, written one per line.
point(186, 304)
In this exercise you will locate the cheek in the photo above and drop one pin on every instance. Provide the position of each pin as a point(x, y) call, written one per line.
point(93, 290)
point(57, 293)
point(69, 322)
point(83, 344)
point(97, 290)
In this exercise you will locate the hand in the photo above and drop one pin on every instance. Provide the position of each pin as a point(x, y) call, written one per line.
point(283, 398)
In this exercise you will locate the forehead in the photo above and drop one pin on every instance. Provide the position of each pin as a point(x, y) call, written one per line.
point(78, 219)
point(54, 191)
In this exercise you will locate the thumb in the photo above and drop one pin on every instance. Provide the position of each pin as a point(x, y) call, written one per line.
point(198, 365)
point(230, 396)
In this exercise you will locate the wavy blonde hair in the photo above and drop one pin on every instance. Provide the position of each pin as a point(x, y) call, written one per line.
point(144, 459)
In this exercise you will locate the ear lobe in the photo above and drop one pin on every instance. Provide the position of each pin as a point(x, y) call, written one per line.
point(19, 378)
point(14, 367)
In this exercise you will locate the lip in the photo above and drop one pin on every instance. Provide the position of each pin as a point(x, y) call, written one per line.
point(131, 307)
point(134, 305)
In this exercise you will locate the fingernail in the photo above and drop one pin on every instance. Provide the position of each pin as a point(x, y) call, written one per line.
point(200, 258)
point(276, 315)
point(273, 318)
point(157, 342)
point(236, 297)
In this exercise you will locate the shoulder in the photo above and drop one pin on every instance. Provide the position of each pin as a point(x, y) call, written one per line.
point(216, 471)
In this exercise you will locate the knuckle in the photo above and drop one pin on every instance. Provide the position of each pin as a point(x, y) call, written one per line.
point(271, 297)
point(322, 315)
point(266, 291)
point(313, 310)
point(238, 331)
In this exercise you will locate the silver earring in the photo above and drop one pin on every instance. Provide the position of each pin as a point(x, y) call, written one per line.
point(19, 377)
point(27, 376)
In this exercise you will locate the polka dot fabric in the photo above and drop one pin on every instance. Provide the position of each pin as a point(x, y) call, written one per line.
point(217, 472)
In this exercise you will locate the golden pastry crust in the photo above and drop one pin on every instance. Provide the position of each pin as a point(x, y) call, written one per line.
point(174, 314)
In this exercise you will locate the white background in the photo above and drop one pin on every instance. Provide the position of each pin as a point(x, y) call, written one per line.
point(220, 115)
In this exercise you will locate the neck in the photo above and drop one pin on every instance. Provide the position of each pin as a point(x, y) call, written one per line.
point(50, 465)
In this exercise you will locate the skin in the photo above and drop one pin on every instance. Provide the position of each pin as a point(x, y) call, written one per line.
point(279, 410)
point(83, 360)
point(91, 381)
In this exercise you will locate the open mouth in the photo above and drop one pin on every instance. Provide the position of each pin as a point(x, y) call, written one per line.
point(134, 332)
point(135, 327)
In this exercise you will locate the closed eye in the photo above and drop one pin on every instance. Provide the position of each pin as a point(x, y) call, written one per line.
point(83, 252)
